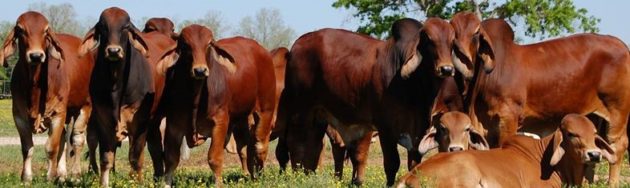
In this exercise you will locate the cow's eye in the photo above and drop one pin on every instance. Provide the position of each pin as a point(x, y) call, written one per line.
point(468, 129)
point(571, 135)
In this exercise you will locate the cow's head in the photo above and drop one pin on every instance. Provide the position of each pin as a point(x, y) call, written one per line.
point(582, 142)
point(162, 25)
point(196, 46)
point(405, 36)
point(35, 37)
point(471, 42)
point(452, 132)
point(436, 42)
point(112, 35)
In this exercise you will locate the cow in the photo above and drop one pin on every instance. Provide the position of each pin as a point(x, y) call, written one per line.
point(162, 25)
point(364, 81)
point(452, 132)
point(125, 88)
point(49, 90)
point(213, 85)
point(521, 85)
point(555, 160)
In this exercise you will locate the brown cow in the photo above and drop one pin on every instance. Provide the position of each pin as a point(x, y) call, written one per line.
point(584, 73)
point(213, 84)
point(364, 81)
point(452, 132)
point(161, 25)
point(556, 159)
point(49, 89)
point(125, 89)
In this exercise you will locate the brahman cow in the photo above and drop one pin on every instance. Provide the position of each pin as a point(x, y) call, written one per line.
point(213, 84)
point(364, 81)
point(162, 25)
point(125, 89)
point(49, 90)
point(542, 82)
point(551, 162)
point(452, 132)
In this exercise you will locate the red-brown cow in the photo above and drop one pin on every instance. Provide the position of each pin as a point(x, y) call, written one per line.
point(125, 89)
point(555, 160)
point(161, 25)
point(451, 132)
point(365, 81)
point(48, 87)
point(584, 73)
point(213, 84)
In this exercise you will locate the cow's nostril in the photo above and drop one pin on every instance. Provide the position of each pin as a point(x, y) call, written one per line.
point(113, 50)
point(594, 156)
point(200, 72)
point(446, 70)
point(455, 149)
point(36, 56)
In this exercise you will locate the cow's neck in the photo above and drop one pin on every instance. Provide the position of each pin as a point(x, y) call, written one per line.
point(539, 151)
point(570, 169)
point(387, 66)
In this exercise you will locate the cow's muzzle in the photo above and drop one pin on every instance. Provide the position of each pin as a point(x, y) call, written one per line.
point(36, 56)
point(455, 149)
point(593, 156)
point(114, 52)
point(121, 135)
point(445, 71)
point(200, 72)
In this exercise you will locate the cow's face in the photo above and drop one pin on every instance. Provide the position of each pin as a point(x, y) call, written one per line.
point(581, 140)
point(35, 38)
point(406, 39)
point(452, 132)
point(196, 45)
point(436, 40)
point(162, 25)
point(113, 32)
point(470, 40)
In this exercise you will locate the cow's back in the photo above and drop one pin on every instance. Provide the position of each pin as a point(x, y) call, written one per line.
point(254, 72)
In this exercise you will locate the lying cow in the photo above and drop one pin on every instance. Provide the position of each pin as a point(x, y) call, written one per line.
point(451, 132)
point(522, 162)
point(213, 85)
point(49, 89)
point(583, 73)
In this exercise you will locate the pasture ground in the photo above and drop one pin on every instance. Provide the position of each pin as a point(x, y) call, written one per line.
point(195, 171)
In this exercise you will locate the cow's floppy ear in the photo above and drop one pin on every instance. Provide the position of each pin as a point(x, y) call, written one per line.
point(558, 151)
point(90, 41)
point(8, 48)
point(168, 60)
point(54, 49)
point(428, 142)
point(477, 141)
point(411, 64)
point(221, 56)
point(136, 40)
point(486, 50)
point(607, 151)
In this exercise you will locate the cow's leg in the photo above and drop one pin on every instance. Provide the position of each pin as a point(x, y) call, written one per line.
point(241, 138)
point(172, 143)
point(136, 152)
point(107, 150)
point(282, 153)
point(391, 159)
point(154, 142)
point(509, 119)
point(78, 139)
point(339, 154)
point(53, 145)
point(26, 139)
point(215, 153)
point(359, 157)
point(92, 141)
point(618, 139)
point(259, 144)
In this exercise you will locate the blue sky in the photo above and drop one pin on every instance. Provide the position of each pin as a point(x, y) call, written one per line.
point(301, 15)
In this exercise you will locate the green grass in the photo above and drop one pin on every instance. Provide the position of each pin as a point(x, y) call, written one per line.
point(7, 125)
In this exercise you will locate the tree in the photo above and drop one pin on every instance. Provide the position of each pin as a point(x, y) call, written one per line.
point(61, 17)
point(541, 18)
point(267, 28)
point(212, 20)
point(5, 27)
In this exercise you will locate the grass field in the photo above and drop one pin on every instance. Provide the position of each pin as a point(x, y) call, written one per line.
point(195, 172)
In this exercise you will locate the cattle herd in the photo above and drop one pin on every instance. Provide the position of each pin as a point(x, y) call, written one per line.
point(536, 115)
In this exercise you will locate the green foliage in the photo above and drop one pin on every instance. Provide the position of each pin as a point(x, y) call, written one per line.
point(268, 28)
point(541, 18)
